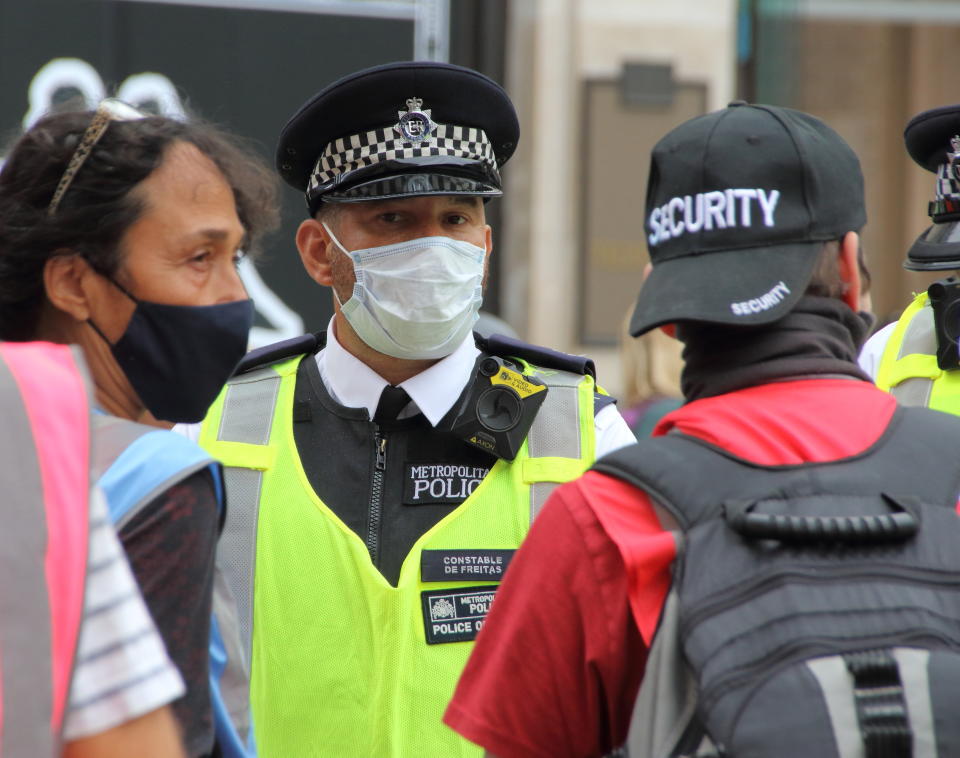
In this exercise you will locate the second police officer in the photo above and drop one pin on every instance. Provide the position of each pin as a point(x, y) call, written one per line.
point(382, 473)
point(916, 358)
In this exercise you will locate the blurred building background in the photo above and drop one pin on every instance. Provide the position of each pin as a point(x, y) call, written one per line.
point(596, 83)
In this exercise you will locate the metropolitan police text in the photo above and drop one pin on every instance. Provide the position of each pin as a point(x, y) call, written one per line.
point(451, 481)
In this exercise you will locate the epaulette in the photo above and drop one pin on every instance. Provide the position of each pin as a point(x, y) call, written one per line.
point(543, 357)
point(278, 351)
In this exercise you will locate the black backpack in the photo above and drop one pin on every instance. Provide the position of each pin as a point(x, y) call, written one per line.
point(814, 609)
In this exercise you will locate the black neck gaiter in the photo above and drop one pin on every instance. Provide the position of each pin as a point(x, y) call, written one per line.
point(821, 335)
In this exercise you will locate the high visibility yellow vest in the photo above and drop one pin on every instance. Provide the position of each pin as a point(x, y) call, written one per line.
point(340, 659)
point(908, 367)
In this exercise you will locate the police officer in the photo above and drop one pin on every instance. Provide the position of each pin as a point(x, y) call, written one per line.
point(915, 358)
point(381, 474)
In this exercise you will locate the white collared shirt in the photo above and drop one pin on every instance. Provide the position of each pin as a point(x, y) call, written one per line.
point(434, 391)
point(872, 351)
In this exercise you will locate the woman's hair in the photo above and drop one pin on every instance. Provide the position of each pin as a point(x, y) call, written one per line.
point(651, 364)
point(98, 207)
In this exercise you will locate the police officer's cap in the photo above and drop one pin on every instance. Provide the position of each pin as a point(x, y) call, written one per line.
point(401, 129)
point(933, 141)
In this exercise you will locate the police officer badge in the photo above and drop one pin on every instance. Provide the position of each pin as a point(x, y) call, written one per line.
point(954, 156)
point(415, 125)
point(442, 608)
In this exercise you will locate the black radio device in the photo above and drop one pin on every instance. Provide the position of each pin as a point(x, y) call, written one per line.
point(944, 297)
point(499, 407)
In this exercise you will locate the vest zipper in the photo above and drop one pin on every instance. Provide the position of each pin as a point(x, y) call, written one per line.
point(375, 511)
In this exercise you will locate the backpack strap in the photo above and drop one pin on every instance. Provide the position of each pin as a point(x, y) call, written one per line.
point(667, 700)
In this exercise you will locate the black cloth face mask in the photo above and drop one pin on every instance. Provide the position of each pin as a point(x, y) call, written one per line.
point(178, 357)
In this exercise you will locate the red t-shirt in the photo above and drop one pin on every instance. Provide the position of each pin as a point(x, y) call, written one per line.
point(556, 668)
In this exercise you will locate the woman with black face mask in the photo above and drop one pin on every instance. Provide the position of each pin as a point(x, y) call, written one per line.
point(121, 233)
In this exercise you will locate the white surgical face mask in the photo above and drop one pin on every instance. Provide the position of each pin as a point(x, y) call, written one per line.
point(416, 299)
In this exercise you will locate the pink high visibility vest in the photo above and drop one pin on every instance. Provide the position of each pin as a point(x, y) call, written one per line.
point(44, 478)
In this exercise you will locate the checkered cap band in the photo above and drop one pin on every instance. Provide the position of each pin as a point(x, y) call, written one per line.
point(946, 203)
point(368, 148)
point(948, 183)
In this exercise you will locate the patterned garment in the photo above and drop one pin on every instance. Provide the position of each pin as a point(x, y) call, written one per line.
point(170, 545)
point(122, 668)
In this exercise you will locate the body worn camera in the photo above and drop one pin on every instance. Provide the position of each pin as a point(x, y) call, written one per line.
point(499, 408)
point(944, 297)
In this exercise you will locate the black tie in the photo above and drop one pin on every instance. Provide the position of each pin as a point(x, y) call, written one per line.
point(392, 401)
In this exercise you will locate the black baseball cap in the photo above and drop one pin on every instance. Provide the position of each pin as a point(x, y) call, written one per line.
point(739, 204)
point(401, 129)
point(928, 138)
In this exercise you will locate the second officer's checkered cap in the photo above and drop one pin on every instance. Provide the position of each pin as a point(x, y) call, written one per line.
point(401, 129)
point(932, 139)
point(739, 204)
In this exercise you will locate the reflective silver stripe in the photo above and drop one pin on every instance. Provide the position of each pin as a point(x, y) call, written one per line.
point(235, 679)
point(247, 396)
point(248, 411)
point(836, 684)
point(668, 694)
point(555, 432)
point(236, 550)
point(919, 338)
point(25, 642)
point(914, 391)
point(920, 335)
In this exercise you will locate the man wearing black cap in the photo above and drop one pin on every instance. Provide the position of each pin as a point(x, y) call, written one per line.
point(382, 474)
point(692, 577)
point(916, 358)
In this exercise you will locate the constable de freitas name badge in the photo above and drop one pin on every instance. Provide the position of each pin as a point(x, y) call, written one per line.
point(415, 125)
